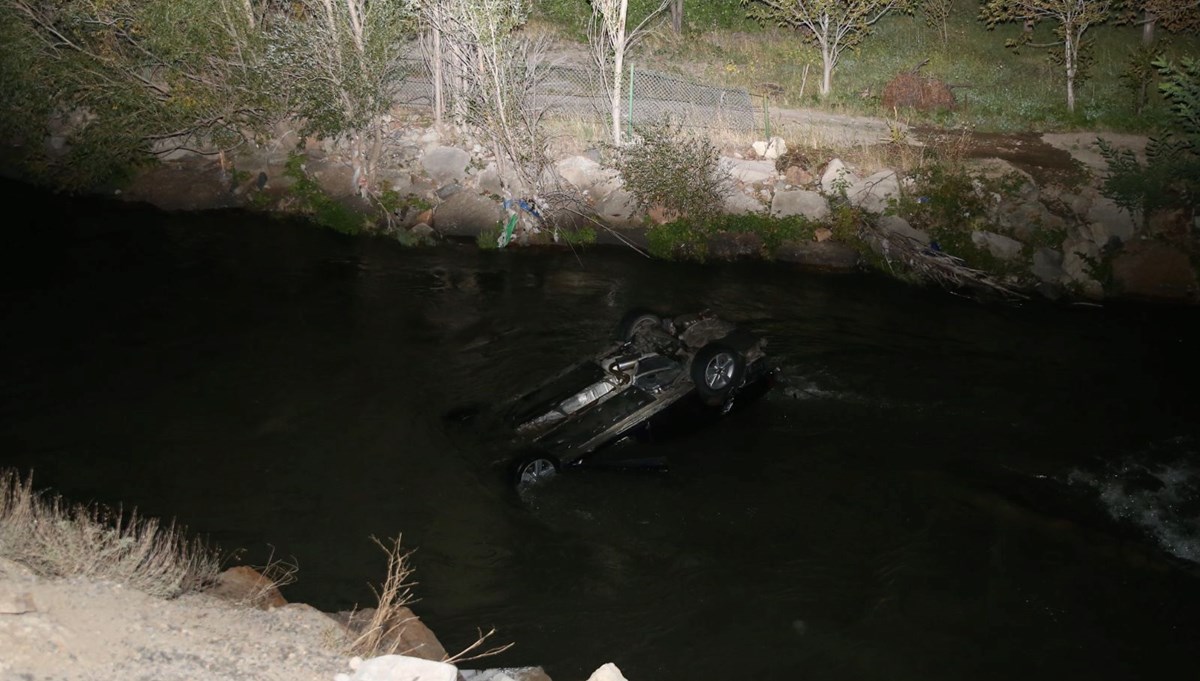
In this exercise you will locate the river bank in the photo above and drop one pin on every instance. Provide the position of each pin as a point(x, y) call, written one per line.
point(1022, 214)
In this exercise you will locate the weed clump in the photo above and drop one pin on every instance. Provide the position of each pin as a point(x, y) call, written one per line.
point(57, 539)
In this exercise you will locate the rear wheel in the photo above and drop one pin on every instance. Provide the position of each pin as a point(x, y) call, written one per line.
point(716, 370)
point(634, 320)
point(534, 469)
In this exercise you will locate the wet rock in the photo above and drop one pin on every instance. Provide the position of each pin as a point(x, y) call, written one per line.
point(735, 245)
point(1156, 271)
point(466, 214)
point(508, 674)
point(801, 202)
point(825, 255)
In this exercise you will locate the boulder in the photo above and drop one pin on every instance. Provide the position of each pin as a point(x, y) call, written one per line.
point(1048, 265)
point(771, 149)
point(581, 172)
point(797, 176)
point(506, 674)
point(445, 164)
point(408, 635)
point(824, 255)
point(467, 214)
point(896, 225)
point(734, 245)
point(244, 584)
point(837, 177)
point(1155, 271)
point(801, 202)
point(607, 672)
point(399, 668)
point(739, 203)
point(618, 208)
point(872, 193)
point(998, 245)
point(750, 172)
point(1110, 219)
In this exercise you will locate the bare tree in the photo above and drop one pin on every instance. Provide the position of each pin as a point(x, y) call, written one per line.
point(1072, 17)
point(611, 41)
point(834, 25)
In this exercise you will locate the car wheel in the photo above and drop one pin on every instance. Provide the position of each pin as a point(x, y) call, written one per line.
point(635, 319)
point(716, 370)
point(534, 469)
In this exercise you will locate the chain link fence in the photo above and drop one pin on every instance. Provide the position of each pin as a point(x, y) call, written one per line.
point(578, 92)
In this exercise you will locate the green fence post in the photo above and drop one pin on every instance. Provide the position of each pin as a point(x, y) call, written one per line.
point(629, 123)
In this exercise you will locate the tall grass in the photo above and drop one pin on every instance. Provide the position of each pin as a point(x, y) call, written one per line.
point(60, 539)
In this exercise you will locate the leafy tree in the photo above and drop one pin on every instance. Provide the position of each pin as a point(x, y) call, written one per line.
point(611, 39)
point(1170, 177)
point(834, 25)
point(113, 83)
point(1177, 16)
point(1072, 18)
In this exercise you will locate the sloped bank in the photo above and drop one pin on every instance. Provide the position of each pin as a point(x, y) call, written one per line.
point(1022, 214)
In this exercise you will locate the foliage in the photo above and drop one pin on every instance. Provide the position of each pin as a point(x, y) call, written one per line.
point(834, 25)
point(114, 82)
point(1170, 177)
point(773, 231)
point(679, 240)
point(312, 201)
point(937, 15)
point(680, 172)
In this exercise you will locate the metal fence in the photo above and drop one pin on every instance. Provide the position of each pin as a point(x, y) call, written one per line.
point(648, 96)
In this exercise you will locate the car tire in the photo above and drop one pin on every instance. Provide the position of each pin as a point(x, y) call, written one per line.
point(717, 370)
point(534, 469)
point(634, 319)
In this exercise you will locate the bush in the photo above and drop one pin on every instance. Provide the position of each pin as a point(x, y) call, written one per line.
point(679, 172)
point(57, 539)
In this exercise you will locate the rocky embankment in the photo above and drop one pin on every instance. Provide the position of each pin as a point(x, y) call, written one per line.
point(1050, 230)
point(242, 630)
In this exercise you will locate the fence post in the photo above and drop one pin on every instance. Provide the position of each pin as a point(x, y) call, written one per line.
point(629, 123)
point(766, 115)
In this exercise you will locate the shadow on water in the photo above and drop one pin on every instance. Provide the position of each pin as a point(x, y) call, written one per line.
point(938, 490)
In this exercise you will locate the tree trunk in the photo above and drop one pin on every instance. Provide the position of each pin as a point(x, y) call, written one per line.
point(618, 43)
point(677, 16)
point(1070, 50)
point(826, 70)
point(1148, 27)
point(438, 60)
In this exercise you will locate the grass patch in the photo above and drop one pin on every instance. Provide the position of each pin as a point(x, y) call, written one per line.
point(57, 539)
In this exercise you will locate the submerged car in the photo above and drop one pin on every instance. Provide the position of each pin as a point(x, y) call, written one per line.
point(658, 367)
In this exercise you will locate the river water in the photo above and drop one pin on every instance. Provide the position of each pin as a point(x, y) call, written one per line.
point(939, 488)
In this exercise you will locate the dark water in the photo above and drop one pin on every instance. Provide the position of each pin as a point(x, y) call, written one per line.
point(940, 490)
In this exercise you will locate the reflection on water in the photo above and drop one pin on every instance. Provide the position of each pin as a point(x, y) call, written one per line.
point(927, 496)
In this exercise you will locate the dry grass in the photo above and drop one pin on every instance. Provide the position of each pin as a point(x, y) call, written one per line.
point(58, 539)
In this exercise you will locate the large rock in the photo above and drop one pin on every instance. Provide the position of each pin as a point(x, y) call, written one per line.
point(618, 208)
point(872, 194)
point(581, 172)
point(244, 584)
point(446, 164)
point(1156, 271)
point(467, 214)
point(400, 668)
point(750, 172)
point(1048, 266)
point(734, 245)
point(837, 177)
point(1110, 219)
point(825, 255)
point(801, 202)
point(736, 202)
point(407, 634)
point(998, 245)
point(894, 225)
point(607, 672)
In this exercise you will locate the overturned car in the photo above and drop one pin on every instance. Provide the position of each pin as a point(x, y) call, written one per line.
point(657, 367)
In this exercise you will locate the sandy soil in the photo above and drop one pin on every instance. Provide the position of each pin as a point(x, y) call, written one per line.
point(81, 630)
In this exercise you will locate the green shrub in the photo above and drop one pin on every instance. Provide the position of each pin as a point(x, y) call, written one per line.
point(314, 202)
point(679, 172)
